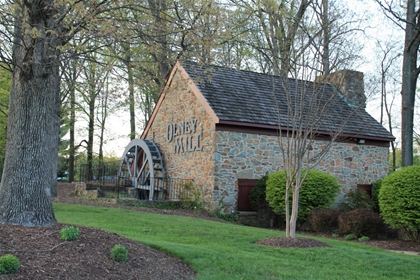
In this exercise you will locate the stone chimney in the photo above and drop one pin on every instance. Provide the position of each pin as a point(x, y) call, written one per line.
point(350, 84)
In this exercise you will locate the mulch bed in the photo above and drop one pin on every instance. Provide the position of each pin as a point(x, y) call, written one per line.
point(44, 256)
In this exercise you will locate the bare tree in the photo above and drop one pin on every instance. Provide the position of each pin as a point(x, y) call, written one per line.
point(387, 76)
point(107, 104)
point(302, 116)
point(334, 39)
point(277, 25)
point(70, 73)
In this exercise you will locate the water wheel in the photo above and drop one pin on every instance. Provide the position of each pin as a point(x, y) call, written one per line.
point(141, 167)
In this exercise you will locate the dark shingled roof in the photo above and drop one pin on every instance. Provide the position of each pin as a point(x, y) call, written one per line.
point(250, 97)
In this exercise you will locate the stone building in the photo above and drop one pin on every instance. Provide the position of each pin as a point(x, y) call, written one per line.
point(221, 127)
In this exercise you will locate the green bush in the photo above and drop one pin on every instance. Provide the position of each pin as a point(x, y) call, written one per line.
point(319, 190)
point(69, 233)
point(350, 237)
point(9, 264)
point(399, 200)
point(376, 187)
point(359, 222)
point(258, 194)
point(324, 220)
point(356, 199)
point(364, 239)
point(119, 253)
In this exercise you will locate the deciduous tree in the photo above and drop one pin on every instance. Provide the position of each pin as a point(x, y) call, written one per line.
point(40, 30)
point(410, 23)
point(307, 106)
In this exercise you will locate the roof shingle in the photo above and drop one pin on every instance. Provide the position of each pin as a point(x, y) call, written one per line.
point(255, 98)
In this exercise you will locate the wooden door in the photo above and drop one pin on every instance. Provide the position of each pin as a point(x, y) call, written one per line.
point(244, 190)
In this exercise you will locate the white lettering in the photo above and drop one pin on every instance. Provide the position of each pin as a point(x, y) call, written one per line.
point(180, 128)
point(197, 143)
point(178, 145)
point(187, 143)
point(193, 123)
point(169, 132)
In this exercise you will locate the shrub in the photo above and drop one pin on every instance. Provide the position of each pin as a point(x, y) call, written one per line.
point(258, 194)
point(69, 233)
point(350, 237)
point(119, 253)
point(318, 191)
point(359, 222)
point(399, 200)
point(376, 187)
point(356, 199)
point(364, 238)
point(324, 220)
point(9, 264)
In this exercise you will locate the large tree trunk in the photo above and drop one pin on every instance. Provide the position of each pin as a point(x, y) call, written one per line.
point(131, 99)
point(72, 133)
point(91, 130)
point(33, 124)
point(409, 81)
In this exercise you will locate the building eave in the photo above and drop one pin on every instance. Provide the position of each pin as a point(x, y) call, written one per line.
point(274, 130)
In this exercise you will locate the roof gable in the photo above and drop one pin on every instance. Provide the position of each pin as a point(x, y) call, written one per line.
point(178, 69)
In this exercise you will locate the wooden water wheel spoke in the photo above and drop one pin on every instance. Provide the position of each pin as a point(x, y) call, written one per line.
point(142, 166)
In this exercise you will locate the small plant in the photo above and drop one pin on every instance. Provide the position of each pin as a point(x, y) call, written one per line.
point(119, 253)
point(364, 239)
point(9, 264)
point(231, 218)
point(69, 233)
point(192, 197)
point(350, 237)
point(335, 235)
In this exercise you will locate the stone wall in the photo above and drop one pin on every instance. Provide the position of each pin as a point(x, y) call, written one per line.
point(184, 133)
point(251, 156)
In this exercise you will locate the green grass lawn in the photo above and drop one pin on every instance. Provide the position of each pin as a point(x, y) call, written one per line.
point(219, 250)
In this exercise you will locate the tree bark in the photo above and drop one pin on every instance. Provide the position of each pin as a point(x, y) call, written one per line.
point(33, 124)
point(409, 82)
point(91, 130)
point(131, 99)
point(287, 216)
point(326, 39)
point(72, 132)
